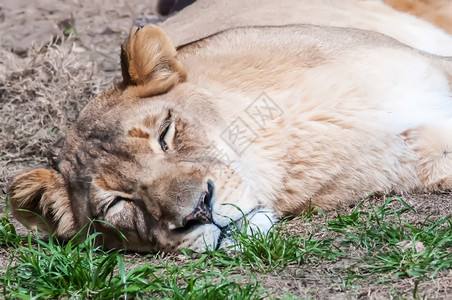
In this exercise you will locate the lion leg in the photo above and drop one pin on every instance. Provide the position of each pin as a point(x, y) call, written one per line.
point(256, 222)
point(433, 145)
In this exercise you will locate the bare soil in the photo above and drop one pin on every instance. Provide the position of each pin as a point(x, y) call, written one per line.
point(56, 55)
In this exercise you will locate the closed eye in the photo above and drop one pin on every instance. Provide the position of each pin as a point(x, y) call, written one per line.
point(166, 137)
point(162, 137)
point(116, 200)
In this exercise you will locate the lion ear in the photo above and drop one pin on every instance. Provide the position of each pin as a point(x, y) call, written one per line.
point(39, 198)
point(149, 62)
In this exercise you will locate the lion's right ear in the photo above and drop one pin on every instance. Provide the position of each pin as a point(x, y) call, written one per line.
point(149, 62)
point(39, 198)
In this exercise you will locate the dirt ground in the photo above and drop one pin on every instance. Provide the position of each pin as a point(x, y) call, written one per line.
point(43, 87)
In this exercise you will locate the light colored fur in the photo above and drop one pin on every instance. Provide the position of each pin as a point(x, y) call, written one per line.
point(438, 12)
point(343, 131)
point(355, 112)
point(371, 15)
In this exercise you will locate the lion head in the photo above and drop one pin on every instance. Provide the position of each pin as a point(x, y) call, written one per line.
point(139, 159)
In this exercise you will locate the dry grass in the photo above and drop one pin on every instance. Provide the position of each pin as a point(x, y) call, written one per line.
point(41, 96)
point(42, 86)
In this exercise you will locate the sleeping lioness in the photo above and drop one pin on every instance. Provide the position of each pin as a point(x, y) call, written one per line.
point(252, 122)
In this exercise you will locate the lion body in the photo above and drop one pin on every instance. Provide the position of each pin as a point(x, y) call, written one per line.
point(292, 155)
point(256, 123)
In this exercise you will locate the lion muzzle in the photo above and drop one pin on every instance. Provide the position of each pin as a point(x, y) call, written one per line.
point(202, 214)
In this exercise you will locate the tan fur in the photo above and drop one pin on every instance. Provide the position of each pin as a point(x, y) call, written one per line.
point(354, 112)
point(151, 65)
point(438, 12)
point(38, 199)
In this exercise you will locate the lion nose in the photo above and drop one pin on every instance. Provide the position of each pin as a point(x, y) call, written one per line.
point(202, 213)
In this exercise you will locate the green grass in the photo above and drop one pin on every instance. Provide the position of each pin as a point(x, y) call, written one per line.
point(275, 249)
point(204, 279)
point(42, 269)
point(84, 271)
point(50, 269)
point(380, 230)
point(8, 235)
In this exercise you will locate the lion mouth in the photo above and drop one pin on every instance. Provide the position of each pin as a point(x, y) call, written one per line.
point(202, 214)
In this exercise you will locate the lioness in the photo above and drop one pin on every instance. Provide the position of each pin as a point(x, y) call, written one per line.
point(255, 122)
